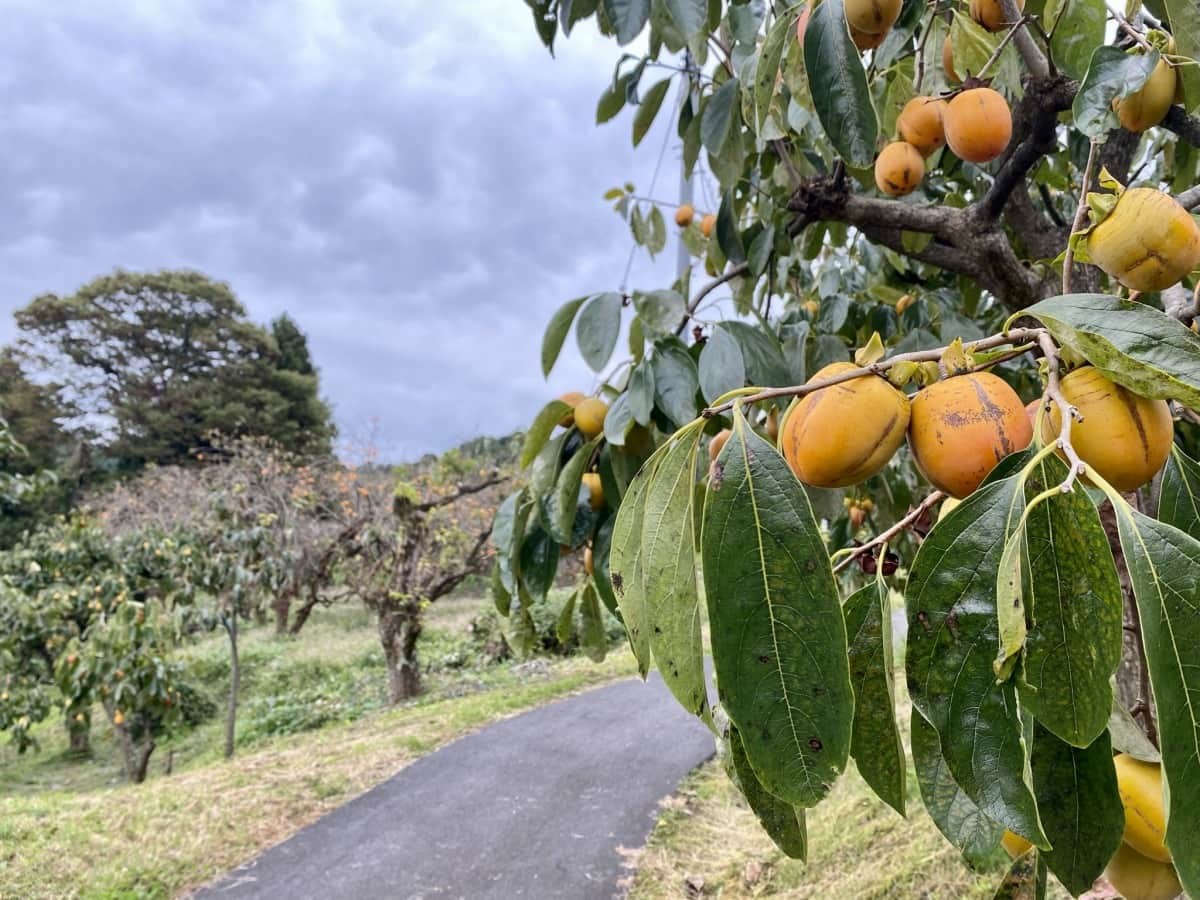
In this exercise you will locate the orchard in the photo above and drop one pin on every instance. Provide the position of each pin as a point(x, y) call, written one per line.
point(936, 341)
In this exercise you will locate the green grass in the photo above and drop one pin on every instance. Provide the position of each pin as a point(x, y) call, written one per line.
point(72, 828)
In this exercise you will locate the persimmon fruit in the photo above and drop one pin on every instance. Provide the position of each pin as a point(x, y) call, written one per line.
point(872, 16)
point(1148, 242)
point(684, 215)
point(1148, 105)
point(595, 490)
point(845, 433)
point(978, 124)
point(1124, 437)
point(1141, 789)
point(589, 416)
point(962, 427)
point(990, 14)
point(920, 124)
point(572, 399)
point(1140, 878)
point(717, 444)
point(707, 224)
point(865, 40)
point(899, 169)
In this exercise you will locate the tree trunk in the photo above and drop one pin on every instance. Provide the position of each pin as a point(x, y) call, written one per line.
point(304, 612)
point(136, 754)
point(79, 734)
point(398, 632)
point(235, 678)
point(282, 607)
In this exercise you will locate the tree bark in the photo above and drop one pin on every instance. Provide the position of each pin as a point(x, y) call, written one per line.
point(235, 679)
point(79, 735)
point(398, 632)
point(282, 607)
point(135, 753)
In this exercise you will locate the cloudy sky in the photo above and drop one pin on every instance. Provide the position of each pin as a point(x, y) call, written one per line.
point(418, 183)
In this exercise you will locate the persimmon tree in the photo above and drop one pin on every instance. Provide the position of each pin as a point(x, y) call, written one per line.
point(925, 216)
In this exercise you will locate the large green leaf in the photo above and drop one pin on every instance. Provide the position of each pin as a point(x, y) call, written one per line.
point(876, 746)
point(765, 364)
point(1112, 73)
point(508, 531)
point(669, 567)
point(1081, 809)
point(778, 636)
point(641, 392)
point(1185, 26)
point(1179, 500)
point(543, 426)
point(601, 549)
point(627, 17)
point(648, 110)
point(839, 85)
point(1079, 29)
point(626, 565)
point(952, 640)
point(597, 329)
point(718, 117)
point(722, 368)
point(676, 381)
point(618, 420)
point(556, 332)
point(953, 812)
point(783, 822)
point(1073, 599)
point(544, 471)
point(1134, 344)
point(592, 635)
point(539, 563)
point(690, 18)
point(1164, 566)
point(767, 72)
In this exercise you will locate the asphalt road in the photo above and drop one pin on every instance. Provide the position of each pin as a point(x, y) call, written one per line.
point(532, 807)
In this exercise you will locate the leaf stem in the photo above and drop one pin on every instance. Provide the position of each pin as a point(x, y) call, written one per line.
point(1080, 215)
point(1067, 412)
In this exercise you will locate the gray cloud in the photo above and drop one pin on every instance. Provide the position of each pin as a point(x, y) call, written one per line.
point(418, 184)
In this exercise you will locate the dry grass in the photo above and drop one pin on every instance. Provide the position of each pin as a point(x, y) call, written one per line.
point(175, 833)
point(707, 843)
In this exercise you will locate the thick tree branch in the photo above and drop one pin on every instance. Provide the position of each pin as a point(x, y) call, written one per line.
point(1035, 60)
point(1187, 127)
point(462, 490)
point(1190, 198)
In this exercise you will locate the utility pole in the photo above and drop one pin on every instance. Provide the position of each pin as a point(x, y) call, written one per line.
point(687, 92)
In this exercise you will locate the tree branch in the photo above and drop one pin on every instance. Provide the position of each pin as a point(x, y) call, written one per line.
point(1187, 127)
point(462, 490)
point(916, 513)
point(1035, 60)
point(1190, 199)
point(725, 277)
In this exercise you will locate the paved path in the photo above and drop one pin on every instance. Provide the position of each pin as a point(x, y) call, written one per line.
point(531, 807)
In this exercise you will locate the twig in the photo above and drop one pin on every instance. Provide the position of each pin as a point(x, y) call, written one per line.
point(1126, 27)
point(1020, 23)
point(1190, 199)
point(1051, 209)
point(1066, 412)
point(781, 150)
point(902, 525)
point(726, 276)
point(1080, 214)
point(1016, 336)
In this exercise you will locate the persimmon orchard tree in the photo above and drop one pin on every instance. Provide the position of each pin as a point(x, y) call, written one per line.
point(897, 253)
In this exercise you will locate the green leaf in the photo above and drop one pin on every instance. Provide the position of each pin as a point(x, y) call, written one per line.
point(556, 332)
point(718, 118)
point(567, 490)
point(954, 813)
point(564, 628)
point(1133, 344)
point(543, 426)
point(765, 364)
point(1128, 738)
point(539, 563)
point(760, 250)
point(650, 105)
point(1185, 26)
point(618, 421)
point(839, 85)
point(1073, 597)
point(952, 638)
point(641, 393)
point(1081, 809)
point(1079, 30)
point(728, 235)
point(669, 567)
point(778, 636)
point(660, 311)
point(676, 381)
point(767, 70)
point(781, 821)
point(1164, 567)
point(597, 329)
point(876, 746)
point(1179, 501)
point(1111, 74)
point(973, 44)
point(592, 636)
point(522, 633)
point(544, 471)
point(508, 531)
point(613, 100)
point(656, 242)
point(722, 368)
point(601, 550)
point(1024, 880)
point(690, 17)
point(626, 565)
point(627, 17)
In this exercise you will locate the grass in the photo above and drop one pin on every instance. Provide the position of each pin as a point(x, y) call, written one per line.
point(75, 829)
point(707, 843)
